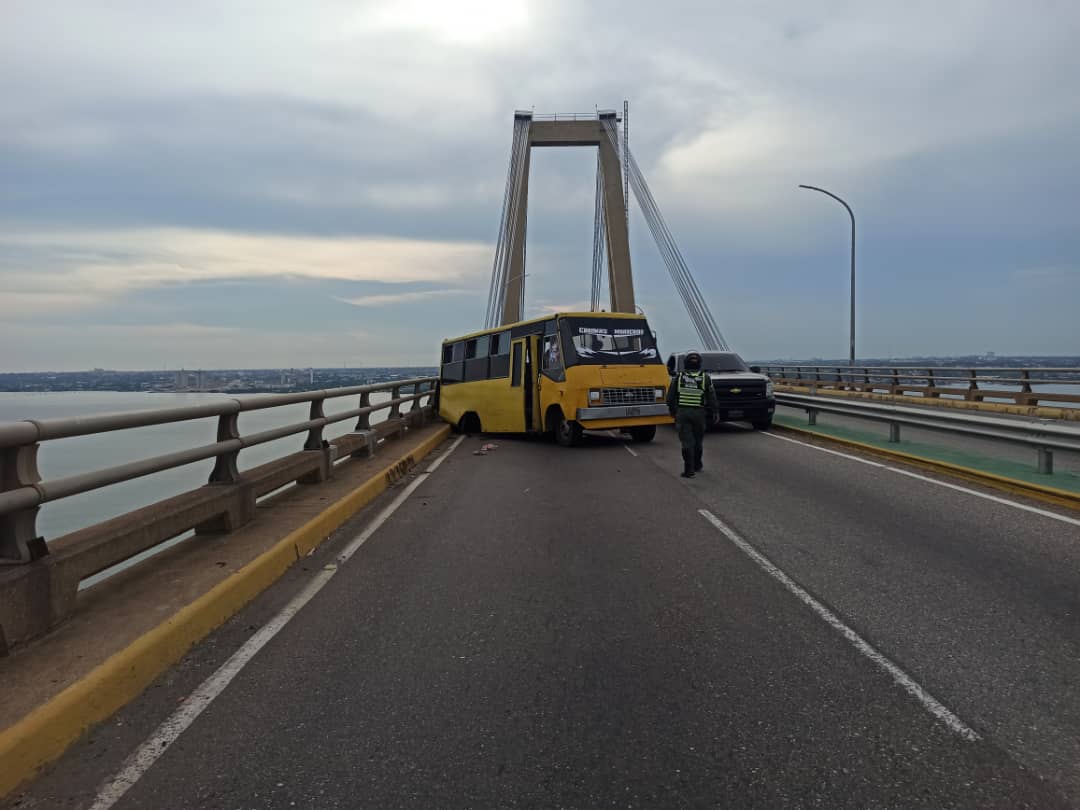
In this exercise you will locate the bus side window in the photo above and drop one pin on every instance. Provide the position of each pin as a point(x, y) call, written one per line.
point(500, 355)
point(453, 369)
point(515, 365)
point(476, 359)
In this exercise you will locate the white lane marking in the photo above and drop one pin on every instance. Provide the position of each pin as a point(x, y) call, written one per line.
point(435, 464)
point(139, 762)
point(631, 452)
point(929, 702)
point(1005, 501)
point(394, 505)
point(167, 733)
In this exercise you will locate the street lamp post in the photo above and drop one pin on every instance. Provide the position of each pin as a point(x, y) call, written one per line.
point(851, 346)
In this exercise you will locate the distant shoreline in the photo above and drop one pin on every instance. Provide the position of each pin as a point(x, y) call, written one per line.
point(278, 381)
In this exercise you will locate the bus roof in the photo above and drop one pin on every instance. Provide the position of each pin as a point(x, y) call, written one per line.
point(552, 316)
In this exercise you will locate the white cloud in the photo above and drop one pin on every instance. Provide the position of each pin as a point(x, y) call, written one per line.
point(468, 22)
point(61, 271)
point(398, 298)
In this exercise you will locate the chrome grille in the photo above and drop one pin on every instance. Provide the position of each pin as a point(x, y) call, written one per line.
point(749, 390)
point(628, 396)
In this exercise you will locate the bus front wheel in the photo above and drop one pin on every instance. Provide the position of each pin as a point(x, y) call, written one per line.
point(567, 432)
point(643, 433)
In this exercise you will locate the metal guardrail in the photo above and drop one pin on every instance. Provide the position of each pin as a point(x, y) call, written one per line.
point(39, 579)
point(1044, 436)
point(971, 384)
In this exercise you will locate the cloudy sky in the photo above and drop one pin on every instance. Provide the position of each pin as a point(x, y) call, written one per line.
point(262, 184)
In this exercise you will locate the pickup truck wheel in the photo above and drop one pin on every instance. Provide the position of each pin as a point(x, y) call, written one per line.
point(762, 424)
point(643, 433)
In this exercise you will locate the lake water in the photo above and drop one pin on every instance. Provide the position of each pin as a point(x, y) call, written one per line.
point(79, 454)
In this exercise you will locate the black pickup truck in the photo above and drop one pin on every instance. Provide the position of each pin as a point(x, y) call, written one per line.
point(743, 394)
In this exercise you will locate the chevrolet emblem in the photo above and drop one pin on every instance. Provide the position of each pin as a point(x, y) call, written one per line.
point(736, 390)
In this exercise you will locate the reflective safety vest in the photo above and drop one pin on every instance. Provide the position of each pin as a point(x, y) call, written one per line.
point(691, 389)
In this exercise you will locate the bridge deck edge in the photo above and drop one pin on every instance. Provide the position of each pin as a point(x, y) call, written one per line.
point(43, 735)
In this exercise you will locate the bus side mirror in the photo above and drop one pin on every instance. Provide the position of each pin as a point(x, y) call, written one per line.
point(756, 369)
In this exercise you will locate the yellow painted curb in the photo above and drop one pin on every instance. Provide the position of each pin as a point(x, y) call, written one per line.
point(45, 733)
point(1058, 497)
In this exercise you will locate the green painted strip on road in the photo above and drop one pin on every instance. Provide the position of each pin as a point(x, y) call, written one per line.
point(1018, 471)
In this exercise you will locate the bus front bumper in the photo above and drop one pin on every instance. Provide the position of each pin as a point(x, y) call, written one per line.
point(609, 412)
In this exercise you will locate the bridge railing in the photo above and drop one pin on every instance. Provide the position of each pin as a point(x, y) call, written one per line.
point(39, 579)
point(1044, 436)
point(1022, 386)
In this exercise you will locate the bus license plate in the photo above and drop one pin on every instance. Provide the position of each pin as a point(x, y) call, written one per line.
point(633, 411)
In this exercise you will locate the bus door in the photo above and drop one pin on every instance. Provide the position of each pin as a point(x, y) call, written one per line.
point(530, 371)
point(519, 377)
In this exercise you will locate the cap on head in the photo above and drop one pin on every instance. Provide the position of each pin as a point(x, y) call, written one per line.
point(692, 361)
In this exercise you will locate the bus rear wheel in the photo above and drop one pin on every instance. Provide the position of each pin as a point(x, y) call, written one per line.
point(469, 424)
point(643, 433)
point(567, 432)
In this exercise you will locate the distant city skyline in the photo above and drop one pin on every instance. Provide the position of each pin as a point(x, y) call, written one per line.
point(199, 186)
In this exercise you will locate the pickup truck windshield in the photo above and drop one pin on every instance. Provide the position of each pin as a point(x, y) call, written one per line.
point(722, 361)
point(608, 341)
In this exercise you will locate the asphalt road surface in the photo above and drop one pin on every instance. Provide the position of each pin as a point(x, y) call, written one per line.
point(544, 627)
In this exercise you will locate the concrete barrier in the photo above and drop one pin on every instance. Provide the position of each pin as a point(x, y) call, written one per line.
point(46, 731)
point(40, 580)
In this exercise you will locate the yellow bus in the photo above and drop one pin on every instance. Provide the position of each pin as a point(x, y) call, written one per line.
point(560, 374)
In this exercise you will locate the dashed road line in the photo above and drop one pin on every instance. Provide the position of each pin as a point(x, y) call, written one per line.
point(905, 681)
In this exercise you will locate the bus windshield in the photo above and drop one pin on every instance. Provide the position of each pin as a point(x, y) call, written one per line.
point(608, 341)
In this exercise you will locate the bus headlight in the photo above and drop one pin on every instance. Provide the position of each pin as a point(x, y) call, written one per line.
point(594, 396)
point(659, 393)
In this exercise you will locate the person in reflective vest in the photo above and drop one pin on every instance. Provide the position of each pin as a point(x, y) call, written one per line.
point(690, 399)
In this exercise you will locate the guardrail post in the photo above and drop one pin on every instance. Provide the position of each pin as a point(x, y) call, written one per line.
point(19, 540)
point(363, 426)
point(1046, 461)
point(364, 422)
point(973, 385)
point(395, 411)
point(314, 437)
point(811, 416)
point(1026, 395)
point(226, 472)
point(866, 379)
point(894, 432)
point(417, 415)
point(931, 385)
point(226, 466)
point(894, 386)
point(316, 444)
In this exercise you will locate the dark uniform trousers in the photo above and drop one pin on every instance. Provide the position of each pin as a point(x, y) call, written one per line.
point(690, 422)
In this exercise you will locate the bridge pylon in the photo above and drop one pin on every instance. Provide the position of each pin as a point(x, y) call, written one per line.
point(506, 297)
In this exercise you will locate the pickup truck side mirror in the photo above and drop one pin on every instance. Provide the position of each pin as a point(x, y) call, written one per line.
point(756, 369)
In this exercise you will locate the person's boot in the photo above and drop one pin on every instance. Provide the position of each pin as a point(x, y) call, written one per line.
point(698, 466)
point(688, 463)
